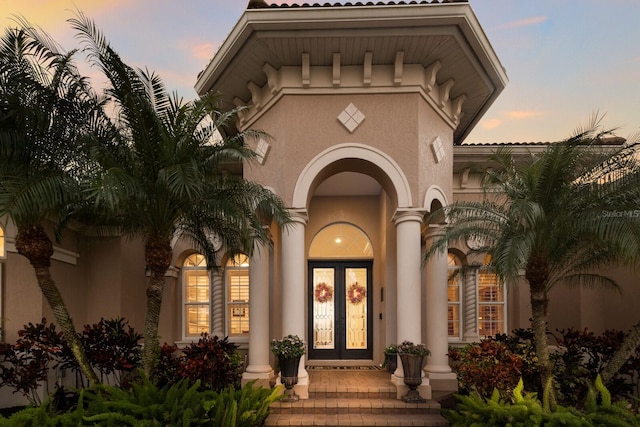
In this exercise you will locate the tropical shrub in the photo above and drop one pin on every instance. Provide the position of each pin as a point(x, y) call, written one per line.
point(27, 362)
point(212, 361)
point(524, 409)
point(145, 404)
point(583, 355)
point(112, 347)
point(580, 357)
point(486, 366)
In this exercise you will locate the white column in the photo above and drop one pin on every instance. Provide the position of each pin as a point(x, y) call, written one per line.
point(437, 302)
point(408, 275)
point(259, 367)
point(442, 380)
point(409, 295)
point(293, 289)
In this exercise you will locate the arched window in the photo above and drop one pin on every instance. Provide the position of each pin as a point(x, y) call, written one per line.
point(340, 240)
point(454, 296)
point(237, 279)
point(1, 242)
point(196, 296)
point(491, 302)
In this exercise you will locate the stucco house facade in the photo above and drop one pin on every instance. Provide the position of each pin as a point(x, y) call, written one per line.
point(367, 106)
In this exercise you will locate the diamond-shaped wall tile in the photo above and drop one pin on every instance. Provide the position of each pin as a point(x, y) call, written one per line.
point(438, 149)
point(351, 117)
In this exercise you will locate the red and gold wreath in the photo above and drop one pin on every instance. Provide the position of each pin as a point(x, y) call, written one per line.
point(323, 292)
point(356, 293)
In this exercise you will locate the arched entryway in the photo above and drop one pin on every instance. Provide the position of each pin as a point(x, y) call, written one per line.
point(350, 192)
point(340, 289)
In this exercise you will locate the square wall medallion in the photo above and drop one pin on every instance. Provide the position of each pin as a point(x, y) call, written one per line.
point(351, 117)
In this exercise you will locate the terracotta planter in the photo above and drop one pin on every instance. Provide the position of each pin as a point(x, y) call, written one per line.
point(289, 376)
point(412, 366)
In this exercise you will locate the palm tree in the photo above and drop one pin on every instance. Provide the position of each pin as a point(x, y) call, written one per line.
point(165, 175)
point(45, 107)
point(551, 217)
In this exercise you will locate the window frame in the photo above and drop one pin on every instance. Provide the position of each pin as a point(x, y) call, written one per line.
point(185, 304)
point(486, 304)
point(236, 308)
point(457, 266)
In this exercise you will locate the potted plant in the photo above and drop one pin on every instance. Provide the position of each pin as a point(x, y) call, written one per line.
point(413, 357)
point(391, 358)
point(288, 350)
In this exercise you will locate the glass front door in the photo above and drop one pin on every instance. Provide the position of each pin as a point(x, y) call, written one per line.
point(340, 310)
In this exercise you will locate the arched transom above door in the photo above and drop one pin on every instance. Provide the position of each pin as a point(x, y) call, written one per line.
point(340, 240)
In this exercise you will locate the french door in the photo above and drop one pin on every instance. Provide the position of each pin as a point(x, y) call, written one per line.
point(340, 310)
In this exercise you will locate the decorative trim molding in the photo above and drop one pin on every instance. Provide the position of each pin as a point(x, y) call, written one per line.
point(353, 79)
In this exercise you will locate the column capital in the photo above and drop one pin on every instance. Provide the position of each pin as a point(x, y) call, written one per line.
point(299, 215)
point(432, 231)
point(408, 214)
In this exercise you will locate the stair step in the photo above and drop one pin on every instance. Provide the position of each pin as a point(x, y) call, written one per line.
point(398, 420)
point(329, 392)
point(339, 406)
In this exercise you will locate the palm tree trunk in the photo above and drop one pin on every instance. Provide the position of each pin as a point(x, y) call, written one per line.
point(158, 255)
point(34, 244)
point(539, 302)
point(537, 274)
point(620, 357)
point(151, 351)
point(61, 314)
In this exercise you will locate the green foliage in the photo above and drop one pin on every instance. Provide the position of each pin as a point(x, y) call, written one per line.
point(524, 409)
point(247, 407)
point(290, 346)
point(179, 404)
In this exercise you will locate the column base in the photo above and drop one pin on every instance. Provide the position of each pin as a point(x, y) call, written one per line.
point(442, 384)
point(401, 389)
point(263, 376)
point(302, 388)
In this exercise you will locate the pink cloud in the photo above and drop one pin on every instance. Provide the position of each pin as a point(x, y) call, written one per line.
point(525, 22)
point(204, 50)
point(491, 123)
point(519, 115)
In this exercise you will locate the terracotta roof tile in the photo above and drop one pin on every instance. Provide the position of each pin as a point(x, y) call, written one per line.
point(607, 140)
point(260, 4)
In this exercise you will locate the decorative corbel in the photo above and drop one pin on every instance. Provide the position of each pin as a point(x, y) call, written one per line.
point(306, 70)
point(464, 177)
point(445, 89)
point(273, 78)
point(431, 72)
point(456, 107)
point(399, 68)
point(336, 69)
point(368, 65)
point(255, 95)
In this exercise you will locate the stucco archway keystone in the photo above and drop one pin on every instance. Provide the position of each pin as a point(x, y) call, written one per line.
point(392, 178)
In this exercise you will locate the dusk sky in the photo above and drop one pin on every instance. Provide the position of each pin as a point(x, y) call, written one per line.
point(565, 59)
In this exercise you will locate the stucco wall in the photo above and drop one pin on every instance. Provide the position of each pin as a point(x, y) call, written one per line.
point(400, 125)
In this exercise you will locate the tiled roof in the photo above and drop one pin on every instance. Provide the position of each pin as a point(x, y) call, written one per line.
point(260, 4)
point(608, 140)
